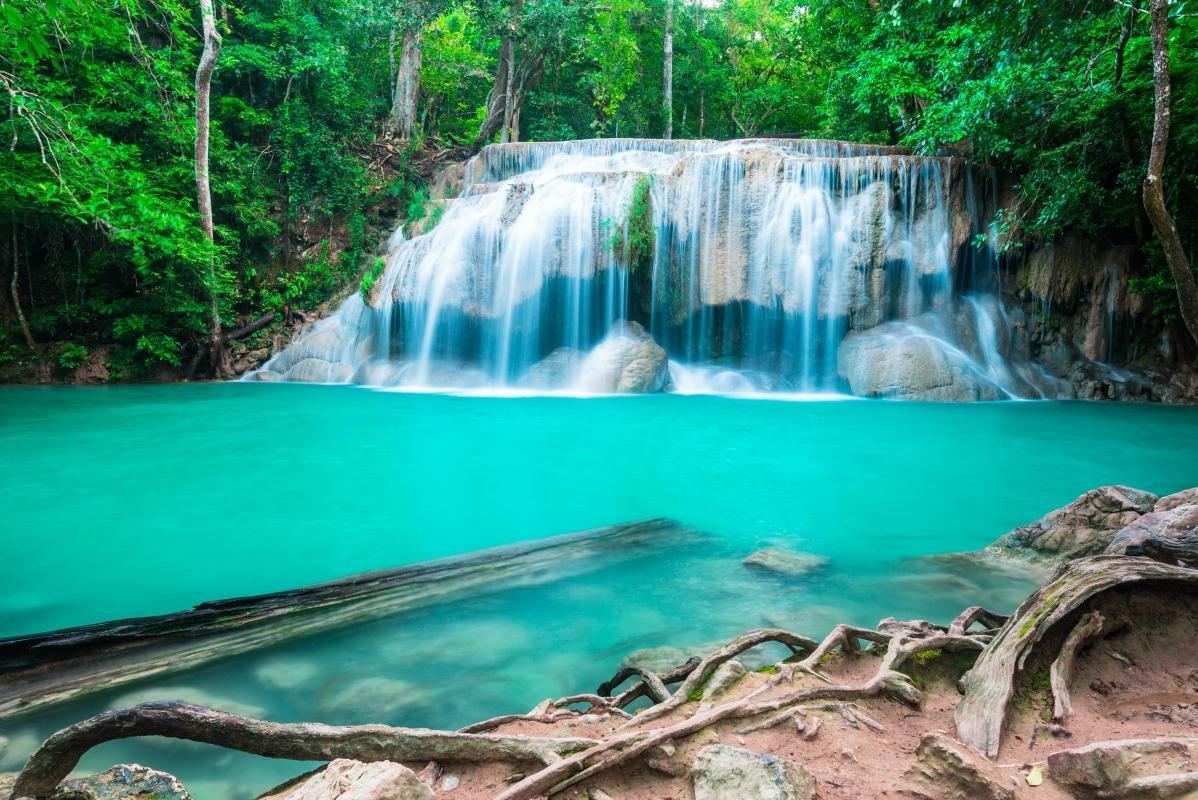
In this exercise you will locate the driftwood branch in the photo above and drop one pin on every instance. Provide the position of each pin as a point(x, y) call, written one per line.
point(990, 683)
point(1060, 674)
point(249, 327)
point(55, 759)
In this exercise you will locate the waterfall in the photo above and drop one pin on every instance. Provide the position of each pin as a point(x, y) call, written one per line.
point(757, 265)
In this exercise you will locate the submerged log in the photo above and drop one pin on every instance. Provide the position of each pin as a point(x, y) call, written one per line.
point(40, 669)
point(303, 741)
point(989, 685)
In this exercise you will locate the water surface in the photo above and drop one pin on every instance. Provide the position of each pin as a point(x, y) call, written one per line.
point(131, 500)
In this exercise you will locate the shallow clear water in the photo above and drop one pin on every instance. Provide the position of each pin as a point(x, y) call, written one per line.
point(122, 501)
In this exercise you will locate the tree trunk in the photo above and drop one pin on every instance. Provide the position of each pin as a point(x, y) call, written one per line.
point(500, 114)
point(220, 359)
point(509, 110)
point(667, 81)
point(407, 81)
point(391, 64)
point(1154, 192)
point(16, 295)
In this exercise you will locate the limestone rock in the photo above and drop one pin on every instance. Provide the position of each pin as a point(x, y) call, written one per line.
point(7, 781)
point(723, 678)
point(721, 772)
point(344, 779)
point(901, 361)
point(627, 361)
point(1105, 765)
point(1085, 527)
point(554, 370)
point(1172, 501)
point(123, 782)
point(949, 770)
point(785, 562)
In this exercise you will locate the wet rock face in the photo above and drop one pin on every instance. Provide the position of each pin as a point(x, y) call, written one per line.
point(344, 779)
point(123, 782)
point(731, 773)
point(949, 770)
point(1085, 527)
point(899, 362)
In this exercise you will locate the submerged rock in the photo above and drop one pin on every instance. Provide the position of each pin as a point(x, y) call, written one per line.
point(554, 370)
point(627, 361)
point(949, 770)
point(785, 562)
point(123, 782)
point(902, 361)
point(371, 699)
point(721, 772)
point(344, 779)
point(1085, 527)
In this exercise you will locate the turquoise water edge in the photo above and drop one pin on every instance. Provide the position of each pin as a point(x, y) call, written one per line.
point(135, 500)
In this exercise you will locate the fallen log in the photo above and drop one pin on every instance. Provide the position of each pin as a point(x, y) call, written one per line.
point(249, 327)
point(40, 669)
point(59, 754)
point(989, 685)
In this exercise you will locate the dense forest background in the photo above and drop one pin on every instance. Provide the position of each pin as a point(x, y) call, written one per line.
point(328, 115)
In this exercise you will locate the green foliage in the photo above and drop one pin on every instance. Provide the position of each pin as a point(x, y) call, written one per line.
point(635, 241)
point(98, 182)
point(371, 277)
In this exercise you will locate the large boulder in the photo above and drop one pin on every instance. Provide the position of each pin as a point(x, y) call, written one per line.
point(627, 361)
point(1172, 521)
point(345, 779)
point(903, 361)
point(123, 782)
point(949, 770)
point(721, 772)
point(1085, 527)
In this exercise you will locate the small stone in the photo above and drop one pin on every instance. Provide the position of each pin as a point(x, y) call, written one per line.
point(730, 773)
point(666, 766)
point(450, 782)
point(1035, 776)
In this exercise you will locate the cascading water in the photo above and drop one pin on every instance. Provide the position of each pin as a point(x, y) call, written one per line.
point(758, 265)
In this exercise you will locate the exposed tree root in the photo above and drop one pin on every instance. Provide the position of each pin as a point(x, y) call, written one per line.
point(976, 614)
point(652, 685)
point(988, 686)
point(1061, 672)
point(700, 673)
point(902, 642)
point(55, 759)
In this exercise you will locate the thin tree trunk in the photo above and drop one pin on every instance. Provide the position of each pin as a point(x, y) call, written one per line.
point(1154, 192)
point(16, 295)
point(668, 72)
point(203, 190)
point(391, 64)
point(505, 135)
point(1125, 134)
point(407, 81)
point(500, 101)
